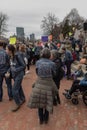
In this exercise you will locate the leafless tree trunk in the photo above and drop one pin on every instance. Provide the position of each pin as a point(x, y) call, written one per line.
point(48, 23)
point(3, 25)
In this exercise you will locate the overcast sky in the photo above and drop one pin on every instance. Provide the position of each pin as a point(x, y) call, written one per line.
point(30, 13)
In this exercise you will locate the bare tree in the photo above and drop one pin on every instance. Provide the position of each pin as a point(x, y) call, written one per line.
point(48, 23)
point(74, 18)
point(3, 25)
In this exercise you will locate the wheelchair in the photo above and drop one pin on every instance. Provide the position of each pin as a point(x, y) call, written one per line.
point(75, 96)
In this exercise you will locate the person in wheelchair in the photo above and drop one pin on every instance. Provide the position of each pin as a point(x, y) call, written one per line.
point(80, 85)
point(78, 73)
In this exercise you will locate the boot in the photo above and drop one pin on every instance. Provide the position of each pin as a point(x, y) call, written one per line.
point(46, 117)
point(22, 102)
point(41, 122)
point(15, 107)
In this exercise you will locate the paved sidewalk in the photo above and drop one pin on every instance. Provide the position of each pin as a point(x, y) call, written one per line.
point(65, 117)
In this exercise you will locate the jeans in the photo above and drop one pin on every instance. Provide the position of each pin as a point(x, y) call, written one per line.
point(43, 114)
point(9, 86)
point(17, 91)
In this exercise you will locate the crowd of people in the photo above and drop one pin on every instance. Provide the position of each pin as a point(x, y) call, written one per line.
point(52, 63)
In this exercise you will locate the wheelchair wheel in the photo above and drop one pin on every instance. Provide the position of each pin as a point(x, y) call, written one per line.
point(75, 101)
point(85, 98)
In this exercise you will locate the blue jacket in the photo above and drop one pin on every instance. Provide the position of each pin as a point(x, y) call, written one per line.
point(45, 68)
point(17, 64)
point(68, 56)
point(4, 61)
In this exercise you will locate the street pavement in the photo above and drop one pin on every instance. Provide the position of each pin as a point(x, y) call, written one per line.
point(65, 116)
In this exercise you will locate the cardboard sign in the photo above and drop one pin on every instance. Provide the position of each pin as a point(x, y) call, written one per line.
point(12, 40)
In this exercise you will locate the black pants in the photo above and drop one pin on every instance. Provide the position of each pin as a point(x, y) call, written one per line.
point(76, 86)
point(28, 65)
point(43, 114)
point(57, 82)
point(68, 66)
point(37, 57)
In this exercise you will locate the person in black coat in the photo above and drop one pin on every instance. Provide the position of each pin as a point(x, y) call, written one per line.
point(55, 57)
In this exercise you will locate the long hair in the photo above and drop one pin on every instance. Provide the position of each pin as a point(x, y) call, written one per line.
point(12, 49)
point(22, 48)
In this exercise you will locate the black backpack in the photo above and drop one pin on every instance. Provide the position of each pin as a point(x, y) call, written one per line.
point(60, 71)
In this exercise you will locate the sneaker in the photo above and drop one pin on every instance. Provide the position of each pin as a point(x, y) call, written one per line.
point(67, 95)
